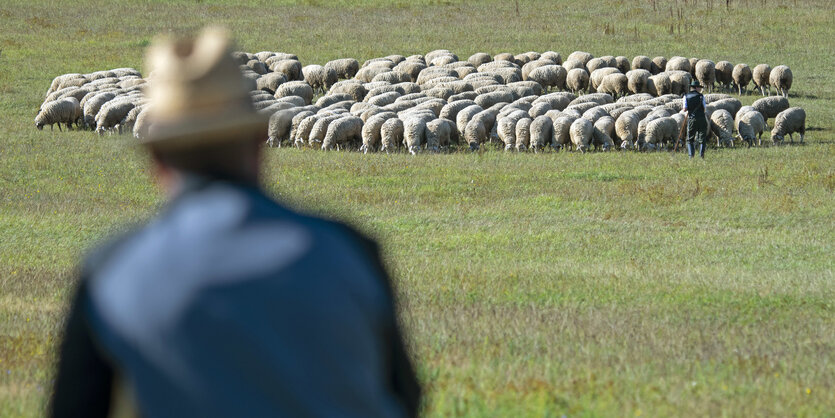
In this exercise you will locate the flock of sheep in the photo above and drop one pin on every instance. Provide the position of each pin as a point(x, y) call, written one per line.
point(529, 101)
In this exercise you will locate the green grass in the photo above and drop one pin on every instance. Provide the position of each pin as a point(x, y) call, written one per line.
point(531, 285)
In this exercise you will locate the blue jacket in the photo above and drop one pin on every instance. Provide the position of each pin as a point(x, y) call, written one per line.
point(229, 304)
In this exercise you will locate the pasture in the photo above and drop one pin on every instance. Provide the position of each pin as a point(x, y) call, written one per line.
point(604, 284)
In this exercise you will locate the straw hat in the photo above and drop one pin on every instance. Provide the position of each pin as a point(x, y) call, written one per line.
point(197, 94)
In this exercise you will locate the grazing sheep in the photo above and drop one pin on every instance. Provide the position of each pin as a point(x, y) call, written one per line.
point(489, 99)
point(353, 87)
point(637, 80)
point(781, 79)
point(598, 98)
point(659, 84)
point(761, 76)
point(626, 128)
point(541, 133)
point(367, 74)
point(680, 82)
point(412, 68)
point(573, 64)
point(583, 57)
point(742, 76)
point(479, 58)
point(577, 80)
point(345, 131)
point(295, 88)
point(279, 126)
point(641, 62)
point(658, 65)
point(788, 122)
point(506, 129)
point(660, 132)
point(297, 120)
point(595, 64)
point(549, 76)
point(614, 84)
point(581, 133)
point(522, 133)
point(344, 67)
point(527, 68)
point(320, 78)
point(722, 126)
point(414, 133)
point(371, 131)
point(382, 99)
point(451, 109)
point(438, 132)
point(292, 69)
point(602, 132)
point(558, 101)
point(270, 82)
point(392, 77)
point(622, 64)
point(391, 135)
point(750, 126)
point(66, 111)
point(595, 113)
point(320, 128)
point(142, 124)
point(539, 109)
point(553, 56)
point(562, 131)
point(706, 74)
point(678, 64)
point(771, 106)
point(731, 105)
point(92, 106)
point(111, 113)
point(724, 74)
point(596, 77)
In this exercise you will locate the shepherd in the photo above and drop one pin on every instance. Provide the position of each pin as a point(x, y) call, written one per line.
point(696, 121)
point(228, 304)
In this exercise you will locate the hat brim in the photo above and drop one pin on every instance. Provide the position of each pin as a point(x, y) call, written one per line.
point(197, 133)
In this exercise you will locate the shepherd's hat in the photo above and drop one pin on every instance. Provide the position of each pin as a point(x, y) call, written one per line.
point(197, 94)
point(694, 84)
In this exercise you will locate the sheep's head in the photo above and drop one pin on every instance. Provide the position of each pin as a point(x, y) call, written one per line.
point(776, 138)
point(473, 146)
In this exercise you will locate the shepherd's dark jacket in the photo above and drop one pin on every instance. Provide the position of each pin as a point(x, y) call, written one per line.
point(230, 305)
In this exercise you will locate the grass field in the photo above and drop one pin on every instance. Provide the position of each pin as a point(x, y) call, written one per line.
point(616, 284)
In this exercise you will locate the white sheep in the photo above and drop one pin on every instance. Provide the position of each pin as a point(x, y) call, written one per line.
point(522, 132)
point(345, 131)
point(626, 128)
point(320, 78)
point(506, 129)
point(706, 73)
point(615, 84)
point(391, 134)
point(296, 88)
point(112, 112)
point(660, 132)
point(562, 131)
point(66, 111)
point(344, 67)
point(602, 132)
point(722, 126)
point(641, 62)
point(771, 106)
point(788, 122)
point(761, 76)
point(750, 126)
point(742, 76)
point(371, 131)
point(549, 76)
point(581, 131)
point(541, 133)
point(724, 74)
point(438, 132)
point(781, 79)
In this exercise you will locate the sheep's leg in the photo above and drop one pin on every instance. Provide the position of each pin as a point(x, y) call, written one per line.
point(59, 127)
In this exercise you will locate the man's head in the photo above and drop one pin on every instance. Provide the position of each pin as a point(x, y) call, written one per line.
point(695, 85)
point(202, 120)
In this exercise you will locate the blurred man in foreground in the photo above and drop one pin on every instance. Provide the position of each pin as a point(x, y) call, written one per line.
point(228, 304)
